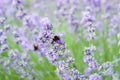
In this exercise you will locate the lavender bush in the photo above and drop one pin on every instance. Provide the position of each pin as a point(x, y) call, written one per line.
point(59, 40)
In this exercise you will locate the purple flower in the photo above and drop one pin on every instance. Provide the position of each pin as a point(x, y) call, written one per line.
point(1, 32)
point(87, 71)
point(88, 51)
point(67, 77)
point(46, 25)
point(93, 65)
point(95, 76)
point(96, 2)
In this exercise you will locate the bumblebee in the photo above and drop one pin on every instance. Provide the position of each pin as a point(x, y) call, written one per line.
point(35, 47)
point(56, 39)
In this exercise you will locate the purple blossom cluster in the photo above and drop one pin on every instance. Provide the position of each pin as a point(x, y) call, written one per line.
point(67, 10)
point(3, 42)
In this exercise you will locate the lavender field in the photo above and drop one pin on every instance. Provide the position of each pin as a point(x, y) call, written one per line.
point(60, 40)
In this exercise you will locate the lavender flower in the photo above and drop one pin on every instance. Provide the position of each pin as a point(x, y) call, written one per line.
point(95, 77)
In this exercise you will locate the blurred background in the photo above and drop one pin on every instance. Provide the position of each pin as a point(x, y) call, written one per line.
point(87, 29)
